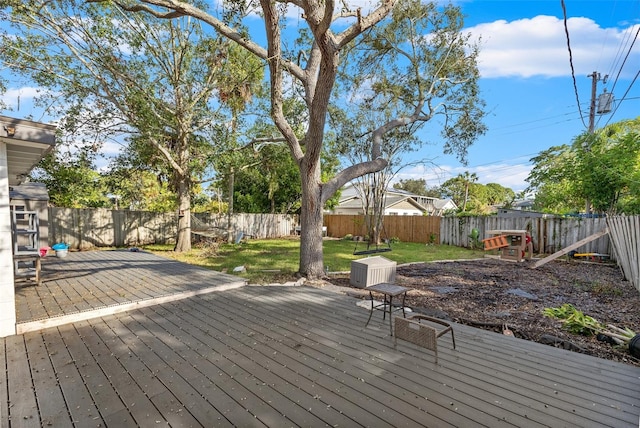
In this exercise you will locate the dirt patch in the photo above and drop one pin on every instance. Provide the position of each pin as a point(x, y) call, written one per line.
point(494, 294)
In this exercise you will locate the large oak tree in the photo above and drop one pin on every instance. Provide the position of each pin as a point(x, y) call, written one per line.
point(403, 53)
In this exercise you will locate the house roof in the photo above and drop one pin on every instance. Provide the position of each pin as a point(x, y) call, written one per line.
point(354, 202)
point(27, 142)
point(395, 200)
point(410, 194)
point(351, 200)
point(442, 203)
point(29, 191)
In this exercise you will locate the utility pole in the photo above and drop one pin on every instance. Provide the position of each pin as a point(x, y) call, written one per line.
point(595, 77)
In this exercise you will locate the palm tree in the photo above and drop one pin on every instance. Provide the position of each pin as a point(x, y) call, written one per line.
point(467, 178)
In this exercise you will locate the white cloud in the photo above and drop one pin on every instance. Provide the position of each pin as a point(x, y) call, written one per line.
point(538, 46)
point(511, 176)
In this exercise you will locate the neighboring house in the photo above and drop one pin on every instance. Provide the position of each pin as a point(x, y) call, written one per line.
point(523, 205)
point(22, 144)
point(442, 206)
point(397, 202)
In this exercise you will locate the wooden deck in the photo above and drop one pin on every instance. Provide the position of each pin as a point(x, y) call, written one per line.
point(294, 356)
point(94, 283)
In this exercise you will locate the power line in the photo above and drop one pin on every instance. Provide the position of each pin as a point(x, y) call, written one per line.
point(539, 127)
point(534, 121)
point(573, 73)
point(625, 59)
point(623, 98)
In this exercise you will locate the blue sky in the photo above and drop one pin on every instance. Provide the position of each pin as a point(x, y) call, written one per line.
point(527, 83)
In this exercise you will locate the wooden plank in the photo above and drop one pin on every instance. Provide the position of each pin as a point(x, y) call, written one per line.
point(634, 257)
point(272, 384)
point(174, 412)
point(517, 384)
point(490, 338)
point(77, 397)
point(103, 394)
point(129, 378)
point(237, 389)
point(23, 408)
point(301, 356)
point(434, 396)
point(188, 386)
point(617, 237)
point(366, 399)
point(569, 248)
point(51, 405)
point(116, 309)
point(409, 378)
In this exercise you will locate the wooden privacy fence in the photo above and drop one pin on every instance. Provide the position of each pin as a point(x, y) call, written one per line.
point(549, 234)
point(625, 235)
point(88, 228)
point(406, 228)
point(255, 225)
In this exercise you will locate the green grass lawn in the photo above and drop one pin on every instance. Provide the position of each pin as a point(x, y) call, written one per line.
point(276, 260)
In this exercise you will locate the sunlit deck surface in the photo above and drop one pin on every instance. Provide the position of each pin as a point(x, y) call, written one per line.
point(277, 356)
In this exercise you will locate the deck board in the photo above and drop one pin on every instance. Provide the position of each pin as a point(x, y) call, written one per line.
point(537, 373)
point(133, 395)
point(369, 366)
point(51, 404)
point(22, 402)
point(97, 384)
point(95, 283)
point(171, 370)
point(276, 356)
point(525, 388)
point(235, 386)
point(306, 393)
point(79, 403)
point(322, 368)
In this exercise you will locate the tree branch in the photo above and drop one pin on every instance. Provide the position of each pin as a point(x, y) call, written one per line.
point(180, 8)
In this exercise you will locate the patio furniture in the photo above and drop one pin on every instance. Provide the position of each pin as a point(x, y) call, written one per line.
point(389, 291)
point(419, 333)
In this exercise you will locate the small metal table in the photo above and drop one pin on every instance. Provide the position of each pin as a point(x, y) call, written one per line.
point(389, 291)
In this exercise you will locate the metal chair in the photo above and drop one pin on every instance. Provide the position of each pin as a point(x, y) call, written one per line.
point(414, 331)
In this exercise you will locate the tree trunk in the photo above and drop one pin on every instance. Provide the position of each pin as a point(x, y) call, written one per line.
point(232, 178)
point(311, 257)
point(183, 238)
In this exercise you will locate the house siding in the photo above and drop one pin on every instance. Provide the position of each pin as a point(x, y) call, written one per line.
point(7, 290)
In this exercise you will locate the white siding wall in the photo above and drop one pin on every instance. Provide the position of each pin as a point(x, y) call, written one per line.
point(400, 211)
point(7, 290)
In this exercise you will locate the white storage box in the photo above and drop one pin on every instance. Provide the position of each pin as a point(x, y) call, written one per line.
point(372, 271)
